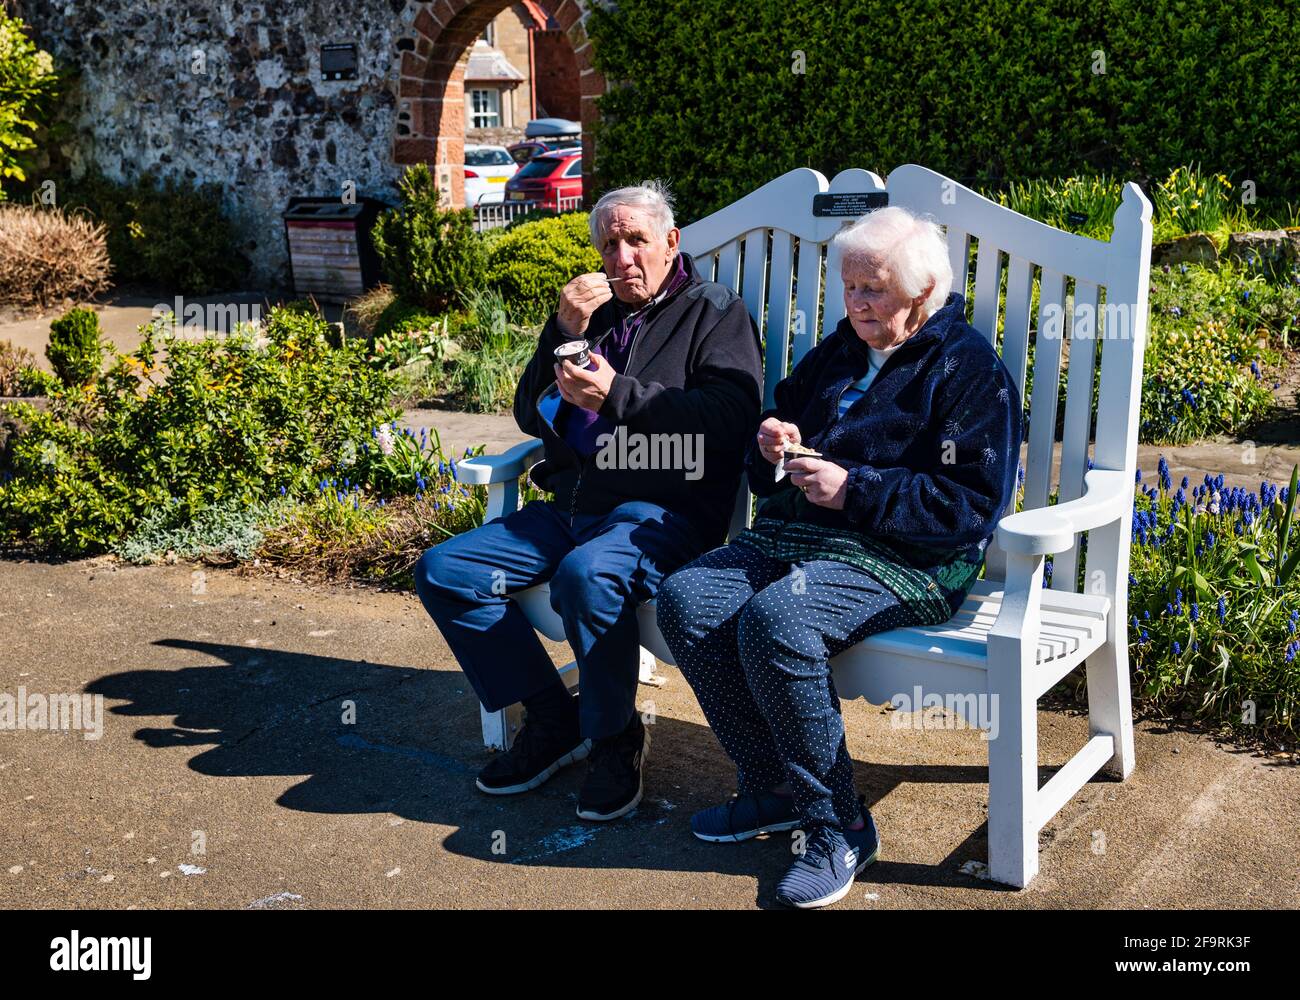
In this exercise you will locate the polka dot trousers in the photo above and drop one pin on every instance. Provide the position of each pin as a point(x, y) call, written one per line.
point(753, 636)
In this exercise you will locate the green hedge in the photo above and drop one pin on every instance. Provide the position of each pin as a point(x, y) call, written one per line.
point(166, 233)
point(431, 256)
point(986, 95)
point(529, 265)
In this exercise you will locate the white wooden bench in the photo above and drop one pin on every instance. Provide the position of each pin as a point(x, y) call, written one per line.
point(1013, 639)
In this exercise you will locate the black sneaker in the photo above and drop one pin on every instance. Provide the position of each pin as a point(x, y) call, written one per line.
point(613, 786)
point(539, 750)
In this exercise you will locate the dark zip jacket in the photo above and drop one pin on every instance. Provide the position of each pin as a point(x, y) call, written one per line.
point(931, 447)
point(694, 368)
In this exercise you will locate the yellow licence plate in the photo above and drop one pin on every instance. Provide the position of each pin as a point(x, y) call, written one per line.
point(496, 180)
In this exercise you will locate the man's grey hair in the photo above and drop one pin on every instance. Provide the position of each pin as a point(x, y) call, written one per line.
point(651, 196)
point(912, 248)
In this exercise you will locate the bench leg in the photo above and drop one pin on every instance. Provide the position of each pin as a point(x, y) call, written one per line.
point(1013, 783)
point(647, 673)
point(500, 727)
point(1013, 765)
point(1110, 697)
point(1110, 706)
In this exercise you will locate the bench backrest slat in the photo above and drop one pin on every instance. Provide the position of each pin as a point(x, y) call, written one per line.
point(780, 283)
point(753, 288)
point(729, 266)
point(958, 257)
point(1047, 387)
point(988, 279)
point(808, 293)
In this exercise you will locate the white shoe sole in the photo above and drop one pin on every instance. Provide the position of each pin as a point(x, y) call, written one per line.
point(572, 757)
point(624, 810)
point(736, 838)
point(841, 892)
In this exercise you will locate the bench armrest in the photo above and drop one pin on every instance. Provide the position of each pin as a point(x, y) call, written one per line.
point(1107, 496)
point(484, 470)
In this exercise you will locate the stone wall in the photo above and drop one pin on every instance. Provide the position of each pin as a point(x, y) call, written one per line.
point(229, 92)
point(504, 136)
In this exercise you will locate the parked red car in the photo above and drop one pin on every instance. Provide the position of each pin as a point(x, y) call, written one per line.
point(553, 180)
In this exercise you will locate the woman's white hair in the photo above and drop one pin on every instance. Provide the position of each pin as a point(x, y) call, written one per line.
point(652, 196)
point(912, 248)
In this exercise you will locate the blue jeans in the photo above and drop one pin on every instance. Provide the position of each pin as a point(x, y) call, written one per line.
point(753, 636)
point(600, 568)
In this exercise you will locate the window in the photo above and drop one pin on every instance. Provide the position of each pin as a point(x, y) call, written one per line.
point(575, 168)
point(486, 156)
point(489, 36)
point(485, 108)
point(538, 166)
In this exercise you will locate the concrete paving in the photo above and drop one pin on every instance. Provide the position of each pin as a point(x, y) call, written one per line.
point(271, 744)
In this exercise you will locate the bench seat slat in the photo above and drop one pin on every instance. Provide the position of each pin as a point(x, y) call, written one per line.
point(1073, 625)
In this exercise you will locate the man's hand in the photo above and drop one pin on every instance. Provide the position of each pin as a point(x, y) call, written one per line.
point(584, 388)
point(579, 299)
point(824, 483)
point(773, 436)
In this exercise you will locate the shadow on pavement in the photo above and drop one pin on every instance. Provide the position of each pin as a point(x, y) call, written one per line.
point(415, 746)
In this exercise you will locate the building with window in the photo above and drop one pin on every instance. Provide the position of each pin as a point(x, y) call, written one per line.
point(521, 67)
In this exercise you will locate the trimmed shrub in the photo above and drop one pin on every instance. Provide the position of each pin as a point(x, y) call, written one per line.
point(532, 215)
point(76, 347)
point(167, 233)
point(431, 256)
point(530, 264)
point(237, 420)
point(50, 255)
point(401, 316)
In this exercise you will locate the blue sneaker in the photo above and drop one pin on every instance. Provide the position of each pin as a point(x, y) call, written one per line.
point(830, 862)
point(744, 816)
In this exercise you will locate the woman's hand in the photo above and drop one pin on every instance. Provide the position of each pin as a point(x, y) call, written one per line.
point(773, 436)
point(823, 483)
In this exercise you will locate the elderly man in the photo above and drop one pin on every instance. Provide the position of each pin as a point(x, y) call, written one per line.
point(910, 426)
point(674, 372)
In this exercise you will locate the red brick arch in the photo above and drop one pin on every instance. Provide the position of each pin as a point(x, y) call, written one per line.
point(431, 86)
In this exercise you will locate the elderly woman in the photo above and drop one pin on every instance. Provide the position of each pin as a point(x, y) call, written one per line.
point(917, 425)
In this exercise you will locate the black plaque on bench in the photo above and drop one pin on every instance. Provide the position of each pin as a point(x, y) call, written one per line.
point(848, 204)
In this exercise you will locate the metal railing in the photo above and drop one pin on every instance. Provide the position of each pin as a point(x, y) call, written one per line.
point(496, 214)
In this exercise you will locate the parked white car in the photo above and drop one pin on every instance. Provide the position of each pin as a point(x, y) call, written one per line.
point(487, 168)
